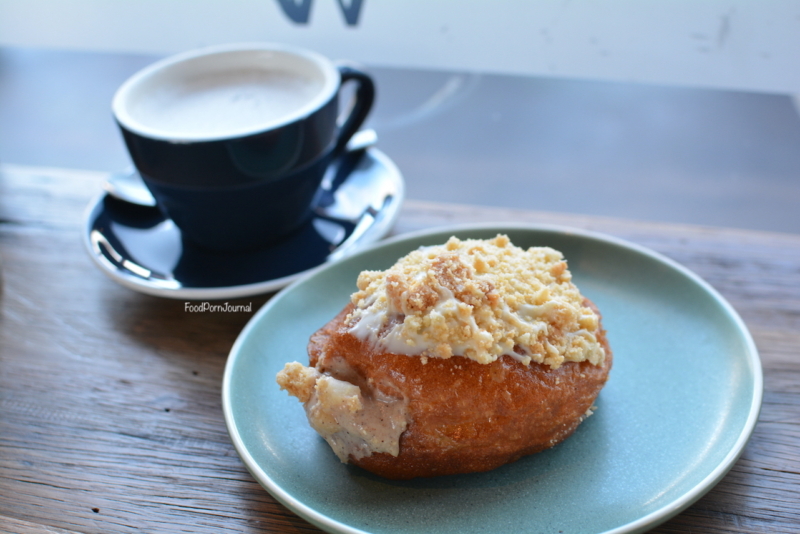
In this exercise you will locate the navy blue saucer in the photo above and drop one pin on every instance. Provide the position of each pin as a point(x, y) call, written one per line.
point(138, 247)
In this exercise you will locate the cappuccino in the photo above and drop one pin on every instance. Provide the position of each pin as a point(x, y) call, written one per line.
point(225, 103)
point(233, 140)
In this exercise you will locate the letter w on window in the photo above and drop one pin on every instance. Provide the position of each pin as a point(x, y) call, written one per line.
point(299, 11)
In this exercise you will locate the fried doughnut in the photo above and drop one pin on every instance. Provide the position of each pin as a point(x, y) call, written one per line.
point(431, 402)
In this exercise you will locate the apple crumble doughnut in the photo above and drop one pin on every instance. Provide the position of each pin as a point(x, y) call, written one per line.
point(459, 358)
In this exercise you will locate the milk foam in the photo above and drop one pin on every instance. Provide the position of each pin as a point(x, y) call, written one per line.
point(224, 103)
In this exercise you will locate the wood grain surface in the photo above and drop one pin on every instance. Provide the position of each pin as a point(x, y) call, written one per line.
point(110, 411)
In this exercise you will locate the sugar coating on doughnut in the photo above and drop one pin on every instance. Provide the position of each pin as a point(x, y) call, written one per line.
point(481, 299)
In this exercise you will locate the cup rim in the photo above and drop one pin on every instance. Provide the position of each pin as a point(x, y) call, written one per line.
point(126, 120)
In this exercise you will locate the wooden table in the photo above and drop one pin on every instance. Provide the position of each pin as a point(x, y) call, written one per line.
point(110, 411)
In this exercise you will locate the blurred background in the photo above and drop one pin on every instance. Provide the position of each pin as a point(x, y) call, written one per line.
point(661, 110)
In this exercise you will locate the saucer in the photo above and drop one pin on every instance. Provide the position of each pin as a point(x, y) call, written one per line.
point(140, 248)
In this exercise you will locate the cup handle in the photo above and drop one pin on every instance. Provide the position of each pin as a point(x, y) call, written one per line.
point(364, 97)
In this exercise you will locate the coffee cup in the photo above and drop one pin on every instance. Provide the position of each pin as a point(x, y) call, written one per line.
point(233, 141)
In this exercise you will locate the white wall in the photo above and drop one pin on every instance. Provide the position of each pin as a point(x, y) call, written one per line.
point(736, 44)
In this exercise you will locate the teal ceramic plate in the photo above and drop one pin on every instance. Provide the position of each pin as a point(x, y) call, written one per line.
point(682, 400)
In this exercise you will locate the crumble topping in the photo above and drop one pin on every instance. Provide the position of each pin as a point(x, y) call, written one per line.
point(480, 299)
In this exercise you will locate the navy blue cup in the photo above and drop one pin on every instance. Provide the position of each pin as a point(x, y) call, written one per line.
point(233, 141)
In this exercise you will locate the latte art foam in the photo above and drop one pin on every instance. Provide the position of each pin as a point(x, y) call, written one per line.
point(225, 103)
